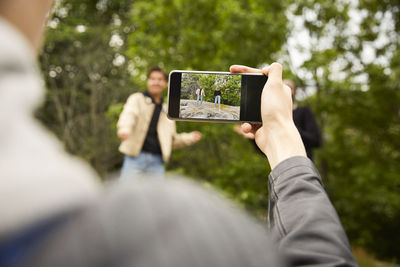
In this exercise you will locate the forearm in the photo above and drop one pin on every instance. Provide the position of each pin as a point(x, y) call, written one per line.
point(302, 219)
point(182, 139)
point(283, 142)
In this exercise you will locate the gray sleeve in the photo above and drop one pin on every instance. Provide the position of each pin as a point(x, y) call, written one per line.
point(302, 220)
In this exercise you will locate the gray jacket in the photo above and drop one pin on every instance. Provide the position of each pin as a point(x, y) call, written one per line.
point(302, 221)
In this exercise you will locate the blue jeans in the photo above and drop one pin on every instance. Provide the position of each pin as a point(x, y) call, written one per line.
point(217, 99)
point(144, 165)
point(199, 97)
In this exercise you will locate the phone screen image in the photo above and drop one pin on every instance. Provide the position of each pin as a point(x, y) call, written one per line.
point(210, 96)
point(215, 96)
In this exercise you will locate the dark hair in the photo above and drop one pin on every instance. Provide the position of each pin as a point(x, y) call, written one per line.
point(158, 69)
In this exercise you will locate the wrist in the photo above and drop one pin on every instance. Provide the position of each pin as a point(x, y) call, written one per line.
point(283, 142)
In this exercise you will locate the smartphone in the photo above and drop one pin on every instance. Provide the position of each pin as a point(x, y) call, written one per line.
point(215, 96)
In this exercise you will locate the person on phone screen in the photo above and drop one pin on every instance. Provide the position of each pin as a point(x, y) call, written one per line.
point(217, 95)
point(200, 93)
point(147, 135)
point(55, 211)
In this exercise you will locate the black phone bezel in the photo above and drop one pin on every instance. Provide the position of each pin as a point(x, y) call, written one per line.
point(174, 95)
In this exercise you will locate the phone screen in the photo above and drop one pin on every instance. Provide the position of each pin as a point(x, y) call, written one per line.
point(215, 96)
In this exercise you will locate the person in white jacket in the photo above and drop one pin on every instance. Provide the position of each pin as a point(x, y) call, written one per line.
point(147, 135)
point(200, 93)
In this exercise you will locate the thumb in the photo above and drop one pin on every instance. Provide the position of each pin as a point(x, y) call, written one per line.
point(274, 72)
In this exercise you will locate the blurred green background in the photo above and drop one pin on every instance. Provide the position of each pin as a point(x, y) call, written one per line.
point(344, 56)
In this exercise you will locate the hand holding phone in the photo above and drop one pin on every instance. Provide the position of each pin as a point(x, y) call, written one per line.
point(277, 136)
point(261, 99)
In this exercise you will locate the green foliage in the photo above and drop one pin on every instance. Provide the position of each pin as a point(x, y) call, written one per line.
point(365, 260)
point(357, 102)
point(85, 73)
point(207, 83)
point(231, 91)
point(206, 35)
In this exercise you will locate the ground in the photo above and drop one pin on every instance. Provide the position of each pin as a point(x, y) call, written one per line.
point(189, 110)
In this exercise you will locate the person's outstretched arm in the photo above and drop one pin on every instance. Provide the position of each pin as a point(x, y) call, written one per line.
point(302, 220)
point(180, 140)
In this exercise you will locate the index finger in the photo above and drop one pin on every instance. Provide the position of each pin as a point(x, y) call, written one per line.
point(244, 69)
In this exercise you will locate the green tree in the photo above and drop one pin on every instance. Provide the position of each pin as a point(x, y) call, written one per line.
point(205, 35)
point(231, 90)
point(189, 85)
point(85, 69)
point(208, 83)
point(354, 68)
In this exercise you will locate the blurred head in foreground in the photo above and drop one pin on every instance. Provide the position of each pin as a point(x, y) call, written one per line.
point(29, 17)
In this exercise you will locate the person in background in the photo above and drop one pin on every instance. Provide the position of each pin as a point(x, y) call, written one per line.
point(147, 135)
point(200, 93)
point(305, 122)
point(217, 95)
point(55, 212)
